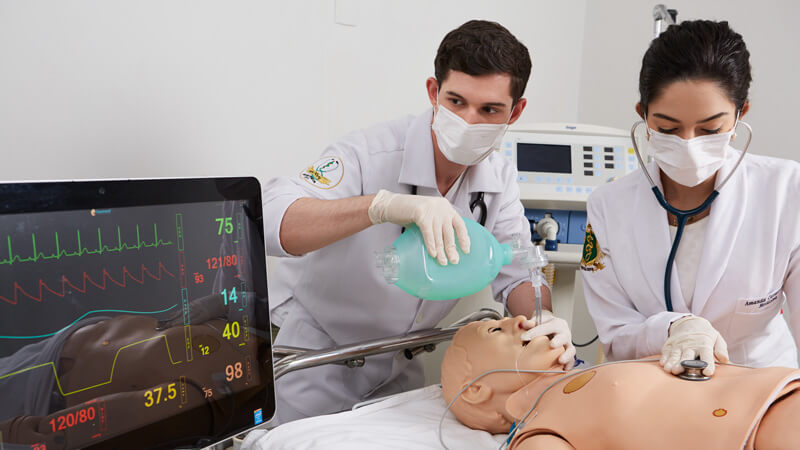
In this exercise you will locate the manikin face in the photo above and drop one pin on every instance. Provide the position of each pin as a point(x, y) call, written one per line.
point(497, 344)
point(480, 347)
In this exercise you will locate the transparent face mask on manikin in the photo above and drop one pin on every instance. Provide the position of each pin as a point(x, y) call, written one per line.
point(690, 162)
point(464, 143)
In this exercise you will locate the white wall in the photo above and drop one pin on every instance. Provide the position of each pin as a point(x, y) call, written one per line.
point(112, 88)
point(618, 32)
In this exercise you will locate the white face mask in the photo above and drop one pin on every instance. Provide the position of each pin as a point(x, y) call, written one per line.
point(690, 162)
point(463, 143)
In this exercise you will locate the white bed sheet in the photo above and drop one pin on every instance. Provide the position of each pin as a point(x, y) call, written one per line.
point(405, 421)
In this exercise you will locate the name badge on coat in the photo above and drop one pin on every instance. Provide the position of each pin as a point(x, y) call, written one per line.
point(759, 304)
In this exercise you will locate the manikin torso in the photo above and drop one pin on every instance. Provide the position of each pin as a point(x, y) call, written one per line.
point(622, 406)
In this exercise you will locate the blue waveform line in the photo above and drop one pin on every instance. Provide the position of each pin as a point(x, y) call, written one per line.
point(88, 313)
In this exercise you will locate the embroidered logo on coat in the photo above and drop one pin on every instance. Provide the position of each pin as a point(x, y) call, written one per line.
point(326, 173)
point(592, 259)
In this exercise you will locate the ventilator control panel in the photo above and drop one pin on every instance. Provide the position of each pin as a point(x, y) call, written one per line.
point(565, 163)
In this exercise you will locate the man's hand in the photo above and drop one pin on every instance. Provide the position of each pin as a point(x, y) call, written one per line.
point(690, 337)
point(562, 337)
point(435, 217)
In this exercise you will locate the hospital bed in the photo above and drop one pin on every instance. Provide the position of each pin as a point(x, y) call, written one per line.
point(406, 420)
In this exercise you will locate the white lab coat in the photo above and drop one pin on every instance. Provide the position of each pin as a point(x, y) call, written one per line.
point(338, 295)
point(750, 263)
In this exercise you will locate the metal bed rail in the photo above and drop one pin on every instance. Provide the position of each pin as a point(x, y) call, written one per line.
point(288, 359)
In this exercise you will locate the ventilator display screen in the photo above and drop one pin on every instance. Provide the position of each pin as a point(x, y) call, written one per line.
point(133, 314)
point(544, 158)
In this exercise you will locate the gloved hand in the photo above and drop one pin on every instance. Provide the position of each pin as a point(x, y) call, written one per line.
point(435, 217)
point(562, 336)
point(689, 337)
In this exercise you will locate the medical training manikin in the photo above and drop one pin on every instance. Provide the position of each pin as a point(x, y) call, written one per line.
point(624, 405)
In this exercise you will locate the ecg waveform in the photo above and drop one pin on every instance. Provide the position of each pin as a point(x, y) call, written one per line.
point(86, 279)
point(111, 375)
point(81, 249)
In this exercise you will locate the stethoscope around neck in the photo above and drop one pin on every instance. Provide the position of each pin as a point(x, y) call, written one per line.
point(682, 215)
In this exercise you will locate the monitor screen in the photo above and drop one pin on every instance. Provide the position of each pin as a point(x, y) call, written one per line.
point(133, 314)
point(544, 158)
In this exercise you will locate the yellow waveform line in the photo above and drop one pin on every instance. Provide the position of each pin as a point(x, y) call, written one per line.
point(110, 377)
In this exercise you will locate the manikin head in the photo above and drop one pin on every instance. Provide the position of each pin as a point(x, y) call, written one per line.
point(483, 346)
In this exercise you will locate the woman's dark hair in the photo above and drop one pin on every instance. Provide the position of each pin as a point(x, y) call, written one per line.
point(480, 47)
point(696, 50)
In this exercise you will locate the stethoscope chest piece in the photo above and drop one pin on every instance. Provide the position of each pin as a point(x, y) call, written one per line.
point(693, 370)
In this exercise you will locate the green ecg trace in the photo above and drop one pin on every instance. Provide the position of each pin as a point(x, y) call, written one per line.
point(81, 249)
point(110, 377)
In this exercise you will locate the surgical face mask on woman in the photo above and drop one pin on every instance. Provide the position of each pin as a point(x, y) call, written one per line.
point(690, 162)
point(463, 143)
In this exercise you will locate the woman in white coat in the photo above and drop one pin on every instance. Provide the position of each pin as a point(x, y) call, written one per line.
point(737, 266)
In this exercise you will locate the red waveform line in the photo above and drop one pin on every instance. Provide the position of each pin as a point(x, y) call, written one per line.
point(87, 279)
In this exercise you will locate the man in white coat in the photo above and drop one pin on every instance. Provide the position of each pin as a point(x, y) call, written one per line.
point(430, 170)
point(737, 262)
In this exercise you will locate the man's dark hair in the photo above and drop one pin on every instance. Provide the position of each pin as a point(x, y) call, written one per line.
point(480, 47)
point(696, 50)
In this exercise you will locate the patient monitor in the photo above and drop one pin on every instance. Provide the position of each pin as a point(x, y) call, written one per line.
point(133, 314)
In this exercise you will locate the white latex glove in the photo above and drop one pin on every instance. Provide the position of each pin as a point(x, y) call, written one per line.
point(562, 337)
point(689, 337)
point(435, 216)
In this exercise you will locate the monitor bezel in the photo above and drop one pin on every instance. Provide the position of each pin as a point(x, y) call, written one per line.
point(50, 196)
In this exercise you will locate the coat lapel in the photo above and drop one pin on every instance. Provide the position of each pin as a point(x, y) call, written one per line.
point(725, 221)
point(652, 241)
